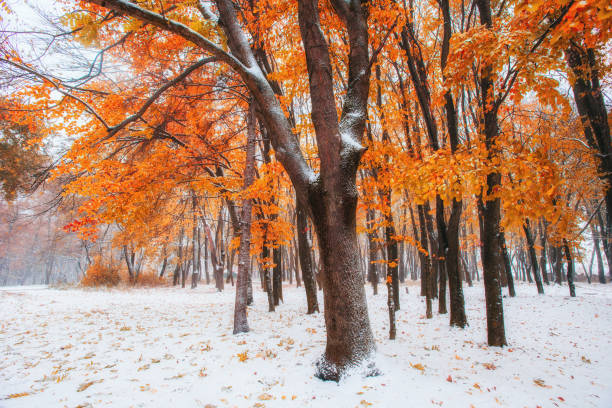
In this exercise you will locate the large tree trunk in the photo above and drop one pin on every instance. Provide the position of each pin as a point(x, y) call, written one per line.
point(241, 324)
point(451, 256)
point(343, 291)
point(491, 257)
point(455, 287)
point(594, 116)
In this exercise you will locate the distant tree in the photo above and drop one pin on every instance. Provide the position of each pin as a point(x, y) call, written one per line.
point(22, 163)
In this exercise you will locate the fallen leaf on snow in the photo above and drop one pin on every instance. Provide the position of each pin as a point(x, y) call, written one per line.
point(540, 383)
point(18, 395)
point(85, 386)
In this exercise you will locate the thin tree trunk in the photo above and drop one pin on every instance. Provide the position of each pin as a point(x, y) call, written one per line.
point(194, 236)
point(304, 246)
point(241, 324)
point(277, 270)
point(266, 276)
point(533, 259)
point(371, 233)
point(543, 232)
point(426, 268)
point(600, 269)
point(163, 268)
point(507, 270)
point(570, 268)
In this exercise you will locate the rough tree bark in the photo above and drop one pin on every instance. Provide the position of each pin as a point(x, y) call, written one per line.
point(570, 268)
point(241, 324)
point(543, 258)
point(277, 271)
point(491, 257)
point(533, 258)
point(372, 275)
point(305, 259)
point(590, 103)
point(426, 268)
point(194, 250)
point(451, 256)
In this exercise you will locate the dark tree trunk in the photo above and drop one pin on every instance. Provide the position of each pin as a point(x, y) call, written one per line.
point(533, 258)
point(594, 116)
point(557, 265)
point(372, 274)
point(129, 261)
point(543, 232)
point(384, 194)
point(241, 324)
point(230, 267)
point(217, 265)
point(392, 280)
point(305, 259)
point(392, 258)
point(570, 268)
point(163, 268)
point(175, 275)
point(277, 270)
point(426, 268)
point(266, 277)
point(491, 257)
point(436, 262)
point(455, 286)
point(221, 251)
point(194, 249)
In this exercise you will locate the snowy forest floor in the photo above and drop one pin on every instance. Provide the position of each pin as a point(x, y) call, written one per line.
point(170, 347)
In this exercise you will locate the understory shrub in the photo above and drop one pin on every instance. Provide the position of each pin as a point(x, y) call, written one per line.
point(100, 274)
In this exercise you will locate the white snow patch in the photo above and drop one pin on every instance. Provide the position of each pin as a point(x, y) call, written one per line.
point(174, 347)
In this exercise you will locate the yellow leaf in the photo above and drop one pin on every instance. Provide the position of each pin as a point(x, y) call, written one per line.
point(85, 386)
point(18, 395)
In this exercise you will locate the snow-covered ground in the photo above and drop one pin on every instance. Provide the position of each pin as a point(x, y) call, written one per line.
point(171, 347)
